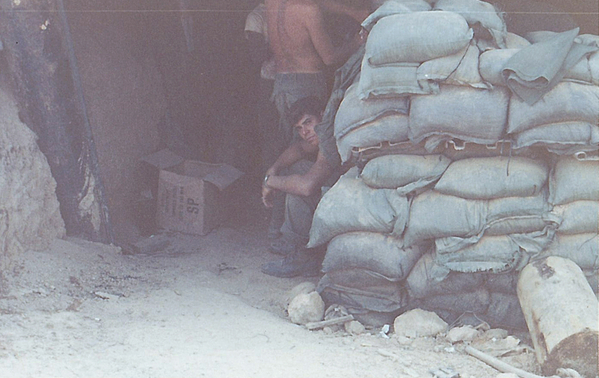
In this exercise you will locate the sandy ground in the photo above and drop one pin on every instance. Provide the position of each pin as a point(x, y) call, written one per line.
point(196, 307)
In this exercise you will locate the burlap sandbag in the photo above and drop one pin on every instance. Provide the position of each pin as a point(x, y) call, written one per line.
point(578, 217)
point(351, 205)
point(504, 312)
point(573, 180)
point(358, 277)
point(380, 299)
point(434, 215)
point(506, 282)
point(376, 252)
point(465, 113)
point(465, 302)
point(566, 102)
point(490, 254)
point(404, 172)
point(565, 138)
point(580, 248)
point(392, 80)
point(478, 12)
point(416, 37)
point(522, 224)
point(354, 112)
point(389, 128)
point(491, 63)
point(493, 177)
point(460, 68)
point(428, 278)
point(511, 207)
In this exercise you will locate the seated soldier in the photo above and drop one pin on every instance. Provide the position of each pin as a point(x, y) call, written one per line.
point(307, 171)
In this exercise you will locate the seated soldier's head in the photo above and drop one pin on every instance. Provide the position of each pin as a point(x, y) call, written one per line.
point(304, 114)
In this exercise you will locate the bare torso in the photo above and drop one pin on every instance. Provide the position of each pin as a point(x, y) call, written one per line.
point(297, 36)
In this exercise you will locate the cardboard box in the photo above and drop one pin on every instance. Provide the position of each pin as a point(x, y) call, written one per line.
point(192, 195)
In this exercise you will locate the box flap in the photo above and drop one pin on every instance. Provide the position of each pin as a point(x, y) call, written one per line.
point(224, 176)
point(163, 159)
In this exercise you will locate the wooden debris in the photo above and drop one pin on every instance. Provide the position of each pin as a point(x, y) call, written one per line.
point(498, 364)
point(330, 322)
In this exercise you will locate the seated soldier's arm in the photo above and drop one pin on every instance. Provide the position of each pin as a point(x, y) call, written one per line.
point(294, 153)
point(303, 185)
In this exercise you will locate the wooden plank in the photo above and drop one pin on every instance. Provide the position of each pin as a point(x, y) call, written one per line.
point(330, 322)
point(498, 364)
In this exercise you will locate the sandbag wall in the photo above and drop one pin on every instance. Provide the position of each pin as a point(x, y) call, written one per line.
point(460, 178)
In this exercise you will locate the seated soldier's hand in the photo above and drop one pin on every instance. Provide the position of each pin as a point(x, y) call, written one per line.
point(267, 196)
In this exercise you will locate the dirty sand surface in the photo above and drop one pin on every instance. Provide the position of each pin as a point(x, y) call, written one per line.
point(198, 306)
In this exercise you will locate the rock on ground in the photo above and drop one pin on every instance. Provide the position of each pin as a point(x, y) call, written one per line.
point(419, 323)
point(306, 308)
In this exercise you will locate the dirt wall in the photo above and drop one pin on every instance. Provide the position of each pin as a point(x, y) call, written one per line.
point(29, 210)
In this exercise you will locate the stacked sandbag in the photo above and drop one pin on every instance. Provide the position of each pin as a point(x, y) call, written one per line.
point(364, 271)
point(352, 206)
point(459, 112)
point(485, 214)
point(432, 57)
point(574, 192)
point(399, 43)
point(565, 119)
point(486, 217)
point(461, 166)
point(368, 123)
point(491, 297)
point(429, 61)
point(362, 218)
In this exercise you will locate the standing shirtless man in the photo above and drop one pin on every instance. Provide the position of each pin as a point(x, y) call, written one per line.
point(302, 49)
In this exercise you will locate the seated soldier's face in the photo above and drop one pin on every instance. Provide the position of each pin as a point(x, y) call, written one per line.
point(305, 128)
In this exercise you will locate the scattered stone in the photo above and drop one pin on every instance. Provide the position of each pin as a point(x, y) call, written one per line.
point(306, 308)
point(419, 323)
point(461, 334)
point(449, 349)
point(384, 331)
point(335, 311)
point(302, 288)
point(328, 330)
point(354, 327)
point(494, 334)
point(511, 342)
